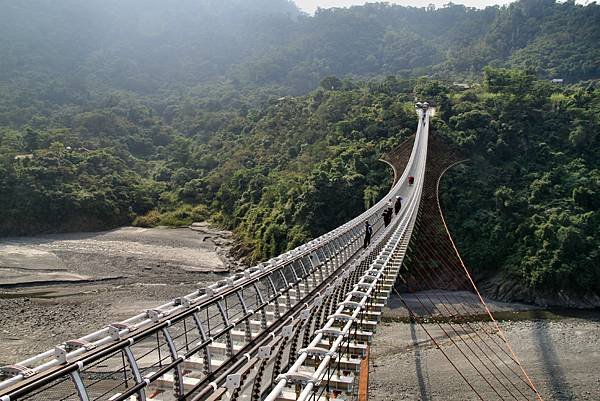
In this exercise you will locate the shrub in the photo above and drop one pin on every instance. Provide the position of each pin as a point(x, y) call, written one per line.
point(150, 219)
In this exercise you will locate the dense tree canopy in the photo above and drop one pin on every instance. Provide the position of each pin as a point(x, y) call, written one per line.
point(528, 201)
point(279, 174)
point(270, 122)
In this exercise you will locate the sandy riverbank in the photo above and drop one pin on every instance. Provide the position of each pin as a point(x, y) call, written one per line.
point(57, 287)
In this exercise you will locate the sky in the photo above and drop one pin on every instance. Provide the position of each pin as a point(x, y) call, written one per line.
point(311, 5)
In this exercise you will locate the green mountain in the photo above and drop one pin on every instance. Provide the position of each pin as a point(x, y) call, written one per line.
point(143, 46)
point(270, 122)
point(527, 204)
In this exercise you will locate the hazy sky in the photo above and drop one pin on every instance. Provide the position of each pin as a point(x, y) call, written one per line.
point(311, 5)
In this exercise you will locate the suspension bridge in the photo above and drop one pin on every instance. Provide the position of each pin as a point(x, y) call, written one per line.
point(298, 327)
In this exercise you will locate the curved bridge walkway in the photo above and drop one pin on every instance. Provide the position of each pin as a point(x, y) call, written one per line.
point(296, 327)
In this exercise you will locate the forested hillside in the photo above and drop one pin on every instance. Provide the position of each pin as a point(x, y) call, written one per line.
point(62, 50)
point(270, 122)
point(279, 174)
point(528, 201)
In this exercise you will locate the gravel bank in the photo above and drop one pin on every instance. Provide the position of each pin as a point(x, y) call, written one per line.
point(58, 287)
point(562, 357)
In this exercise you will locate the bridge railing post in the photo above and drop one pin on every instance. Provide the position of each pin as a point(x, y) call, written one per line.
point(81, 391)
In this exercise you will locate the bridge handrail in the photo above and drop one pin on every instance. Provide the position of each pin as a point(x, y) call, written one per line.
point(403, 226)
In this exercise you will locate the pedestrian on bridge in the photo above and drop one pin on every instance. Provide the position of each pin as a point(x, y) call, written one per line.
point(398, 204)
point(387, 214)
point(368, 234)
point(386, 218)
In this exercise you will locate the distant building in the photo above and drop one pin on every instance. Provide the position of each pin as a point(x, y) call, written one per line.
point(558, 81)
point(461, 85)
point(24, 156)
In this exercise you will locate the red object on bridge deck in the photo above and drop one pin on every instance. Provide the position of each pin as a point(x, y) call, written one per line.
point(411, 180)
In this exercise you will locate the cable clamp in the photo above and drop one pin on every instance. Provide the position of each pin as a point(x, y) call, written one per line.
point(15, 370)
point(154, 315)
point(75, 344)
point(297, 378)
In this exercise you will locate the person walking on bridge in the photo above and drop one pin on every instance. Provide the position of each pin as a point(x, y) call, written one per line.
point(388, 213)
point(398, 204)
point(368, 234)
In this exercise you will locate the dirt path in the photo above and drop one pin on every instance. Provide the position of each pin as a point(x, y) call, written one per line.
point(58, 287)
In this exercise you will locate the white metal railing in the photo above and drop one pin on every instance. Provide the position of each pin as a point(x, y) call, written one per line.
point(363, 290)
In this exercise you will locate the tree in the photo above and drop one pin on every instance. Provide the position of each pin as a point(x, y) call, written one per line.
point(331, 83)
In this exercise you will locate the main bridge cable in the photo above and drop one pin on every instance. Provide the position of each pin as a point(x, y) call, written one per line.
point(86, 358)
point(403, 224)
point(500, 332)
point(378, 228)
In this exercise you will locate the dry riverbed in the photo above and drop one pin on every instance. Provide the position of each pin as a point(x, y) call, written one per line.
point(57, 287)
point(560, 351)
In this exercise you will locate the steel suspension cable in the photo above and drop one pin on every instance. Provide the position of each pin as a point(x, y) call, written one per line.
point(481, 304)
point(415, 318)
point(475, 286)
point(457, 278)
point(476, 344)
point(458, 347)
point(483, 324)
point(443, 262)
point(460, 337)
point(489, 336)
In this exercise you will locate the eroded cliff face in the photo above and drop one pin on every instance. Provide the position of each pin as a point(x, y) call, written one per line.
point(500, 288)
